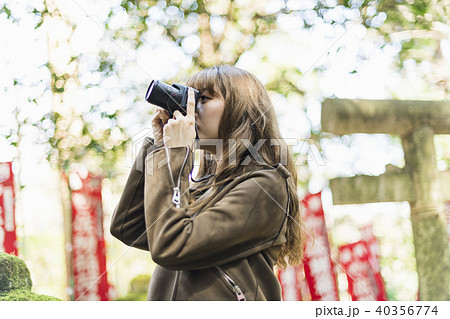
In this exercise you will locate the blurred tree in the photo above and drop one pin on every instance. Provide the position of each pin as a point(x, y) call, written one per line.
point(421, 28)
point(211, 32)
point(79, 131)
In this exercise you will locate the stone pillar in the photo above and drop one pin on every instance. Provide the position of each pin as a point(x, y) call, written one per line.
point(427, 215)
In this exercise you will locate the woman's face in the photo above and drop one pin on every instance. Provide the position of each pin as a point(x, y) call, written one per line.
point(208, 114)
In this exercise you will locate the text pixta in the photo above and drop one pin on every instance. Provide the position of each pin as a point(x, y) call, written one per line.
point(336, 311)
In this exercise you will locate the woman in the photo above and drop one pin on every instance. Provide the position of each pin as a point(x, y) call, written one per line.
point(220, 237)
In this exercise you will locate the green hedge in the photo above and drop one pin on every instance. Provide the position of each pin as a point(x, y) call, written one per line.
point(15, 281)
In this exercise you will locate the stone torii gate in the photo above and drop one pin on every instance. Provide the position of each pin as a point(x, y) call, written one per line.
point(419, 182)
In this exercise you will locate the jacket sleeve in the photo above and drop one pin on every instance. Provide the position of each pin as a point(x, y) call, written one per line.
point(247, 219)
point(128, 220)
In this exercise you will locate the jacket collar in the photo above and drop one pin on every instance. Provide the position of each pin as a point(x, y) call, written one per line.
point(282, 170)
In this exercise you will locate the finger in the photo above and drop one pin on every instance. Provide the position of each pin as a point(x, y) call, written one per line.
point(177, 114)
point(191, 104)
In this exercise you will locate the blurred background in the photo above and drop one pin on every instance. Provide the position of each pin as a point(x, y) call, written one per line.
point(73, 75)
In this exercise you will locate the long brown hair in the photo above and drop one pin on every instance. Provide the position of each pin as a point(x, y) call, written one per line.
point(248, 115)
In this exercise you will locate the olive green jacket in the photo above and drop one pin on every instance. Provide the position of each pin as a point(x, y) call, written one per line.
point(226, 251)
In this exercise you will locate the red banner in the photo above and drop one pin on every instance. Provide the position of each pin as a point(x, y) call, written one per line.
point(8, 239)
point(373, 251)
point(290, 280)
point(88, 244)
point(319, 268)
point(361, 280)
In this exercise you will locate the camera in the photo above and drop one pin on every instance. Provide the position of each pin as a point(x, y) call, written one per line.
point(170, 97)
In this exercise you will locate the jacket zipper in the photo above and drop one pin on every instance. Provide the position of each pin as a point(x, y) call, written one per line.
point(230, 282)
point(176, 197)
point(176, 200)
point(175, 286)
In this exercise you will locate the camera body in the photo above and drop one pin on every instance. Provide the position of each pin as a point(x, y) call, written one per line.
point(170, 97)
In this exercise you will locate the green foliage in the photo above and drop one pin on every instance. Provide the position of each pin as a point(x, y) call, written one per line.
point(5, 10)
point(133, 297)
point(20, 295)
point(418, 49)
point(286, 82)
point(15, 281)
point(179, 20)
point(14, 274)
point(176, 17)
point(75, 137)
point(138, 291)
point(140, 283)
point(390, 17)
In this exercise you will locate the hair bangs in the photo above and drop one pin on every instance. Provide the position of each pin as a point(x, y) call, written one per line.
point(207, 80)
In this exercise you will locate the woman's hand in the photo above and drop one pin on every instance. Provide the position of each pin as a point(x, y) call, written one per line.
point(158, 122)
point(180, 131)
